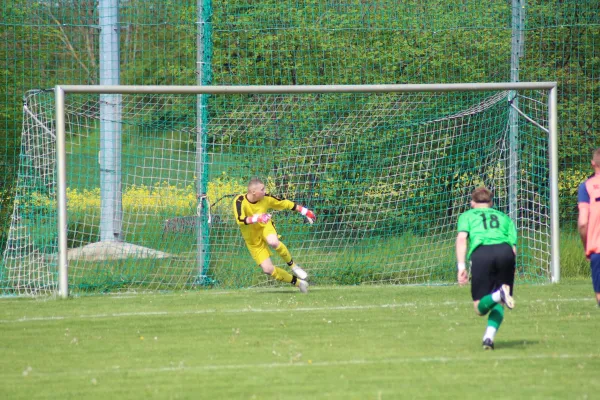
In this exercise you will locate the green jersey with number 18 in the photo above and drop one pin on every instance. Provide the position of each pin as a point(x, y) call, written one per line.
point(486, 226)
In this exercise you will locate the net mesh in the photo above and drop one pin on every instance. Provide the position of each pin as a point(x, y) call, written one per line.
point(387, 175)
point(314, 42)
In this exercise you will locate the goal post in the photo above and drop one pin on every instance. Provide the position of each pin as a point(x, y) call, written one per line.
point(387, 169)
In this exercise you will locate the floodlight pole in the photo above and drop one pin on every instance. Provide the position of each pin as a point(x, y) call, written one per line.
point(109, 158)
point(513, 116)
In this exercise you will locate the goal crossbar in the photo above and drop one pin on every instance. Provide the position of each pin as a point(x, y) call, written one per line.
point(266, 89)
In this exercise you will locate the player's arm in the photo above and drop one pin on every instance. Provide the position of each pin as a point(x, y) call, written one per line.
point(461, 249)
point(461, 258)
point(583, 204)
point(278, 204)
point(282, 204)
point(310, 216)
point(512, 235)
point(583, 221)
point(242, 219)
point(238, 211)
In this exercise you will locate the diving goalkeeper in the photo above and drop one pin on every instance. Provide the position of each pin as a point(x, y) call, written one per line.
point(258, 231)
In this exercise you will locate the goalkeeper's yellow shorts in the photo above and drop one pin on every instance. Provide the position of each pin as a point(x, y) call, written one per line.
point(255, 237)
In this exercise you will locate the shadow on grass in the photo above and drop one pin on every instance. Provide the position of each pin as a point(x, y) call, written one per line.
point(516, 344)
point(294, 290)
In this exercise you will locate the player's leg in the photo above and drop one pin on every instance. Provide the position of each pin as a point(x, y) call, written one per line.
point(505, 262)
point(281, 249)
point(595, 266)
point(272, 239)
point(277, 273)
point(262, 256)
point(482, 280)
point(503, 276)
point(495, 319)
point(492, 267)
point(485, 298)
point(283, 276)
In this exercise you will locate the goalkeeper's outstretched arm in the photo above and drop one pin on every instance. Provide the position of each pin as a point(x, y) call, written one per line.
point(310, 216)
point(254, 205)
point(282, 204)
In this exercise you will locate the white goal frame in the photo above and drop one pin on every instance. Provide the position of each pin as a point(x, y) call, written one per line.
point(62, 90)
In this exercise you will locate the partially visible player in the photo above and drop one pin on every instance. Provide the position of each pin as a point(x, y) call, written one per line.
point(492, 238)
point(258, 231)
point(588, 222)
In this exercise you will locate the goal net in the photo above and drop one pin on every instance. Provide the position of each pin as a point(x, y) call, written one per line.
point(149, 188)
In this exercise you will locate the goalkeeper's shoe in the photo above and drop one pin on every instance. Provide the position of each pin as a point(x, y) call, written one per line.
point(299, 272)
point(488, 344)
point(506, 297)
point(302, 286)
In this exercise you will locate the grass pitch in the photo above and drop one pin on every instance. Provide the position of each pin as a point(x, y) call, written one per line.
point(361, 342)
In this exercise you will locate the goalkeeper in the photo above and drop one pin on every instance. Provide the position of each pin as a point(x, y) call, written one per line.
point(258, 231)
point(492, 239)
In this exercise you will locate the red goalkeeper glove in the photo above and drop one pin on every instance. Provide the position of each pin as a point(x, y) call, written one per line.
point(310, 216)
point(262, 218)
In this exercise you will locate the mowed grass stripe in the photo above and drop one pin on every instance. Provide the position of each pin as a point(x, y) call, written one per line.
point(355, 343)
point(311, 364)
point(272, 310)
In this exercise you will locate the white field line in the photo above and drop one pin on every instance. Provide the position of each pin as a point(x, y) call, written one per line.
point(182, 367)
point(248, 310)
point(134, 294)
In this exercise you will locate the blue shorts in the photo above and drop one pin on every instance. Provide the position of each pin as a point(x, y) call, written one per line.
point(595, 265)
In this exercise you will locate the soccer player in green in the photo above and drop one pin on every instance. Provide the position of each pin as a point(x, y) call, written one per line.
point(488, 238)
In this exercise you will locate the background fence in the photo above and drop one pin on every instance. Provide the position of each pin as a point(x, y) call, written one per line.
point(44, 43)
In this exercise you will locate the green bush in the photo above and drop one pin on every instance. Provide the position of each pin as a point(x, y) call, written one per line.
point(568, 183)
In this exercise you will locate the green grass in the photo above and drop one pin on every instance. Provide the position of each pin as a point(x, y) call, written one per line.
point(572, 257)
point(231, 266)
point(358, 342)
point(402, 259)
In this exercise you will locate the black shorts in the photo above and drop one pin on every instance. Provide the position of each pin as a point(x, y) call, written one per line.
point(491, 267)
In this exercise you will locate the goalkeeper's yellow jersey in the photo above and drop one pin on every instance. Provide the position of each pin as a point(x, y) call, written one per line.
point(243, 208)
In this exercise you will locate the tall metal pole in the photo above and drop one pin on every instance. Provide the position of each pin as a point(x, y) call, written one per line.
point(111, 209)
point(554, 214)
point(61, 182)
point(203, 70)
point(513, 156)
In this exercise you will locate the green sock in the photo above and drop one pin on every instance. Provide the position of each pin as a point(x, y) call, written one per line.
point(496, 316)
point(486, 304)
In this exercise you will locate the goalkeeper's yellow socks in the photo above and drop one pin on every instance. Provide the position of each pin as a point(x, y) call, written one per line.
point(283, 276)
point(284, 253)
